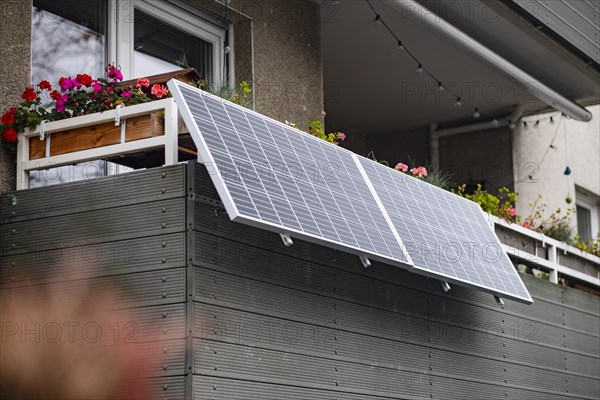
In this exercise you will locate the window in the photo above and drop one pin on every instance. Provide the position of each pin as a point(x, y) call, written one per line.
point(587, 214)
point(153, 37)
point(143, 37)
point(68, 37)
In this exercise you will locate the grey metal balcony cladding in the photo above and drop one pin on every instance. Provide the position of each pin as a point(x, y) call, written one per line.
point(355, 209)
point(577, 22)
point(350, 332)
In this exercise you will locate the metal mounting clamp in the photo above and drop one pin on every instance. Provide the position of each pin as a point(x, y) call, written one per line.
point(499, 301)
point(445, 286)
point(43, 129)
point(118, 115)
point(287, 240)
point(365, 261)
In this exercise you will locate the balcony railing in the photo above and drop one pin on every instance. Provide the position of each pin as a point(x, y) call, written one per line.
point(536, 250)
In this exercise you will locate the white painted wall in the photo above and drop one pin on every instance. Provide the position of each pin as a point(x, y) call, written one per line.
point(577, 144)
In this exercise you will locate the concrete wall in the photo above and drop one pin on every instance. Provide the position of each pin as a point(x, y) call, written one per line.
point(577, 145)
point(15, 70)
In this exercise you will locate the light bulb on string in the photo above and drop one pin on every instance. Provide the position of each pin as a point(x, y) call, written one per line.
point(227, 49)
point(525, 125)
point(511, 125)
point(419, 69)
point(476, 114)
point(440, 87)
point(551, 120)
point(495, 122)
point(400, 46)
point(537, 123)
point(377, 20)
point(457, 103)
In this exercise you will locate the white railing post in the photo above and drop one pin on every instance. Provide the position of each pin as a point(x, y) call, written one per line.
point(22, 156)
point(171, 133)
point(553, 260)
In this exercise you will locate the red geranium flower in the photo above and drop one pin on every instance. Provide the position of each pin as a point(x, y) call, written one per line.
point(10, 135)
point(55, 95)
point(159, 90)
point(84, 79)
point(9, 116)
point(29, 94)
point(45, 85)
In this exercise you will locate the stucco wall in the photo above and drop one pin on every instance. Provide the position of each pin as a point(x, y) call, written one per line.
point(288, 74)
point(15, 70)
point(577, 145)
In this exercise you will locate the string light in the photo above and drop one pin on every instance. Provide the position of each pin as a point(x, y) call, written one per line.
point(495, 122)
point(551, 120)
point(525, 125)
point(511, 125)
point(378, 20)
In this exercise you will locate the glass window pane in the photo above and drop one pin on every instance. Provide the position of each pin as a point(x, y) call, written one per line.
point(584, 223)
point(160, 47)
point(68, 37)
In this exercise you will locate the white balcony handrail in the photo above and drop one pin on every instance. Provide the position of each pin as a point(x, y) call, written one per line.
point(100, 117)
point(553, 262)
point(168, 141)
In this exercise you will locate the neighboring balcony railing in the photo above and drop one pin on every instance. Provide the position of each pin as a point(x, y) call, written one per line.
point(536, 250)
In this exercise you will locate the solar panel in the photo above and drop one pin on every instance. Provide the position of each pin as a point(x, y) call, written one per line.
point(446, 236)
point(276, 177)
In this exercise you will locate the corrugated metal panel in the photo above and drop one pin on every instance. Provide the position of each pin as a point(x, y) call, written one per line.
point(578, 22)
point(310, 371)
point(94, 260)
point(226, 388)
point(99, 193)
point(166, 358)
point(120, 223)
point(131, 290)
point(166, 388)
point(381, 320)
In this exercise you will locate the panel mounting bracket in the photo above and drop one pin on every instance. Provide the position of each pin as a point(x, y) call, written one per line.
point(499, 301)
point(287, 240)
point(445, 286)
point(365, 261)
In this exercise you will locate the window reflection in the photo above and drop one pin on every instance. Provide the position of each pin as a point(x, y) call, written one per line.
point(67, 38)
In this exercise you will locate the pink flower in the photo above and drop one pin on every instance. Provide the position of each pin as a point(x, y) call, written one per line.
point(96, 86)
point(61, 102)
point(159, 90)
point(127, 94)
point(419, 172)
point(114, 73)
point(527, 225)
point(142, 83)
point(401, 167)
point(512, 212)
point(342, 136)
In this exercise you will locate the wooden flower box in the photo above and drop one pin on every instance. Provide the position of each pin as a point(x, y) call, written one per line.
point(115, 134)
point(94, 136)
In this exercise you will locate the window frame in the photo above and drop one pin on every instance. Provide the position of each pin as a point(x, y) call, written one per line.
point(585, 201)
point(120, 33)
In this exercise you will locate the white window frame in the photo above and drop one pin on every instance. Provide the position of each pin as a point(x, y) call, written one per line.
point(585, 201)
point(121, 33)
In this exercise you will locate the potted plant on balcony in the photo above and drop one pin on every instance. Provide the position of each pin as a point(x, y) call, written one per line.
point(76, 97)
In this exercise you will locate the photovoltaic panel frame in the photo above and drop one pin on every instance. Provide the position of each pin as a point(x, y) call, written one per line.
point(275, 177)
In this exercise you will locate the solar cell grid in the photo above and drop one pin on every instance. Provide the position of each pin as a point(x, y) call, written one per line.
point(273, 176)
